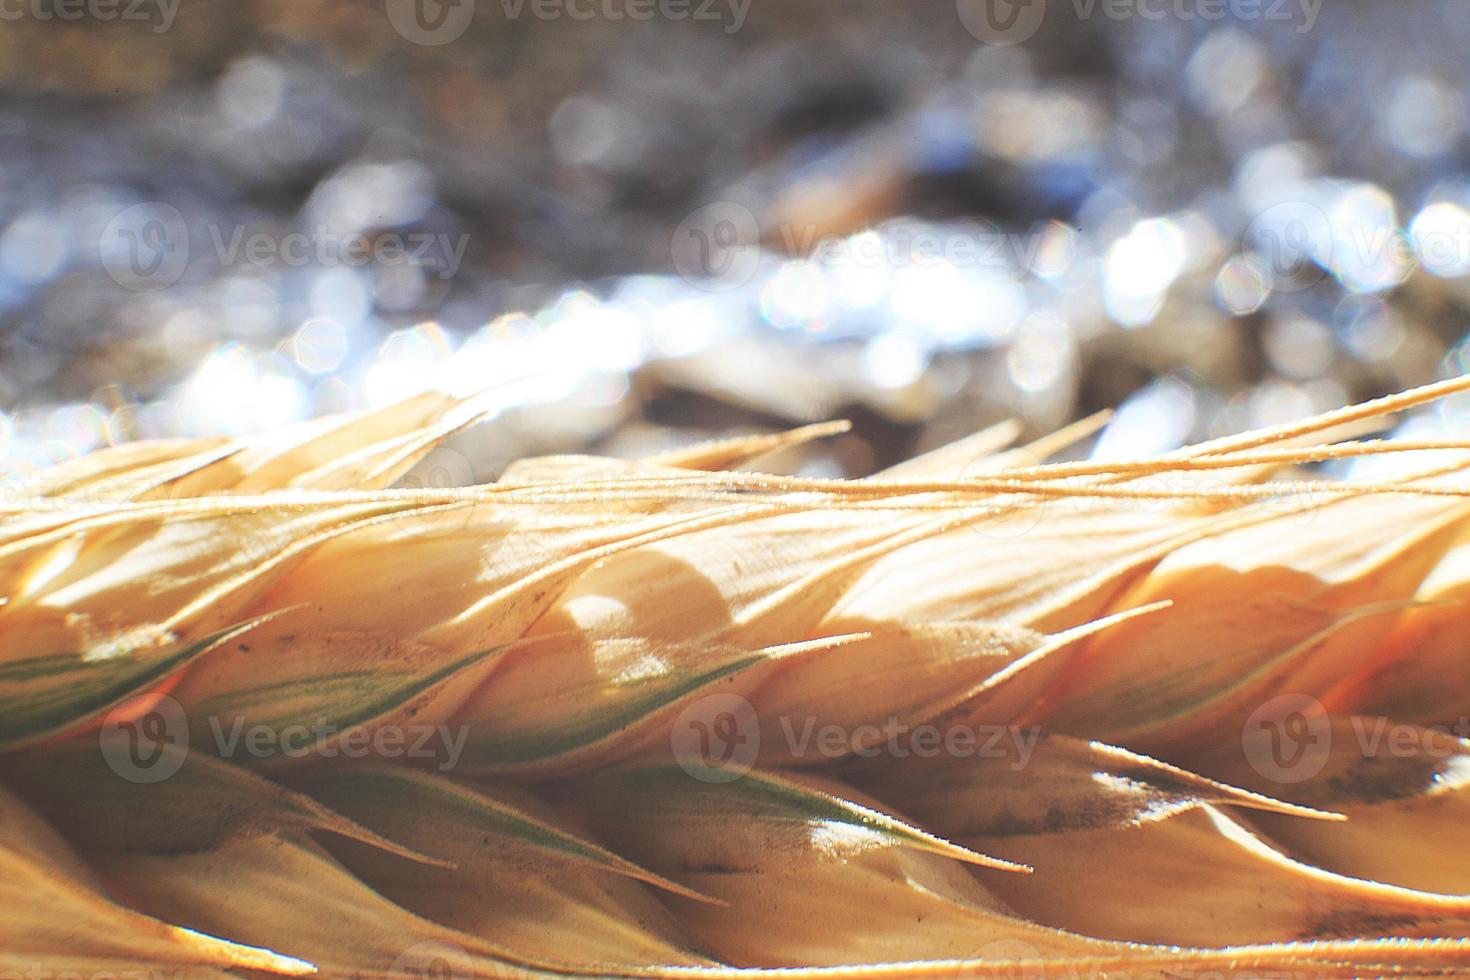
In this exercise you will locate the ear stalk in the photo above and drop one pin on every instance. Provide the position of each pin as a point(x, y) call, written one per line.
point(262, 711)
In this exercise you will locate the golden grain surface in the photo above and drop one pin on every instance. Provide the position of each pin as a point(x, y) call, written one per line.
point(265, 711)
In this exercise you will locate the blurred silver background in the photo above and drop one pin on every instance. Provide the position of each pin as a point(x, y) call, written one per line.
point(633, 223)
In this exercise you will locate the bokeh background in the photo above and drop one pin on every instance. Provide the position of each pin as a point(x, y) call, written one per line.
point(635, 223)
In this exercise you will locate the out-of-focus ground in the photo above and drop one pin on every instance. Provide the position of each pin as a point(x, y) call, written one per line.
point(636, 222)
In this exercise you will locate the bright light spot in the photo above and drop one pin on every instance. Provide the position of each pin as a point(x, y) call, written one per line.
point(279, 399)
point(319, 346)
point(836, 839)
point(1226, 71)
point(1242, 284)
point(1056, 248)
point(1389, 466)
point(585, 130)
point(1278, 402)
point(250, 91)
point(592, 336)
point(53, 564)
point(690, 325)
point(893, 360)
point(81, 428)
point(1041, 355)
point(1369, 328)
point(372, 195)
point(1138, 269)
point(798, 296)
point(341, 294)
point(957, 308)
point(1274, 174)
point(1454, 775)
point(1422, 117)
point(511, 362)
point(859, 270)
point(1369, 254)
point(235, 392)
point(129, 644)
point(33, 248)
point(1441, 234)
point(1299, 347)
point(1155, 420)
point(406, 364)
point(217, 398)
point(640, 670)
point(250, 305)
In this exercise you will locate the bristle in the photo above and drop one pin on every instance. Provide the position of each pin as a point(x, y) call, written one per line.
point(261, 711)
